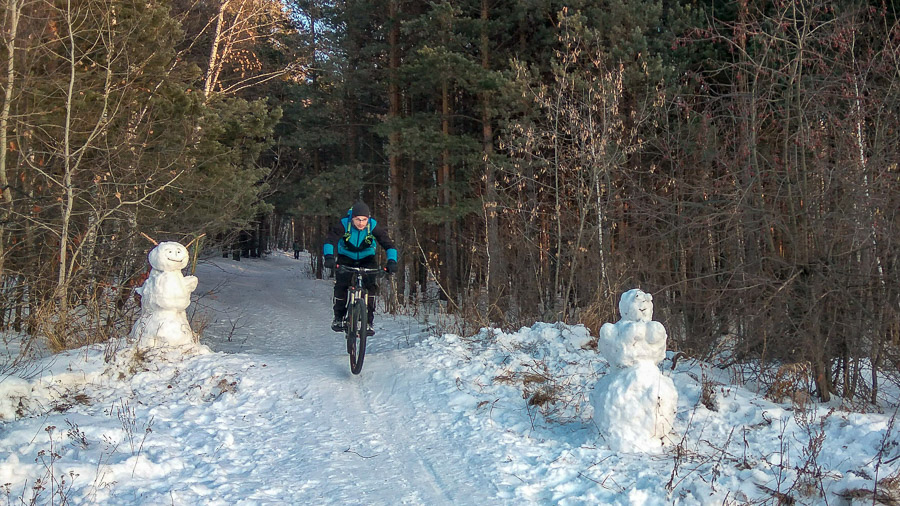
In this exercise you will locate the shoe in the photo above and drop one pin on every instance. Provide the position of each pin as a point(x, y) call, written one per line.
point(337, 325)
point(370, 330)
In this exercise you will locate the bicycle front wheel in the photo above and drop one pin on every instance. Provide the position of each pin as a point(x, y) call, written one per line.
point(356, 335)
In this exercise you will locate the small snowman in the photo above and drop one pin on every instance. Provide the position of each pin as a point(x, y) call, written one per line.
point(165, 296)
point(634, 404)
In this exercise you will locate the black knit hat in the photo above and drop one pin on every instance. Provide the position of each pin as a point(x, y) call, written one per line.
point(360, 209)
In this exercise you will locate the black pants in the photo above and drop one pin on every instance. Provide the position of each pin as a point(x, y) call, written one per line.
point(342, 282)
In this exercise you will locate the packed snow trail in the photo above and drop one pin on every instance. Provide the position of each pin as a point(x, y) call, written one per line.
point(312, 426)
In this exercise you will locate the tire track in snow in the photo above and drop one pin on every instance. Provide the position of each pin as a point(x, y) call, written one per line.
point(383, 437)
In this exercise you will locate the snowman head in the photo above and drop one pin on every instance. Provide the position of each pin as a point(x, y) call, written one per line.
point(636, 305)
point(168, 256)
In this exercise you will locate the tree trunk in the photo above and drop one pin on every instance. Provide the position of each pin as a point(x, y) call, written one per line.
point(395, 189)
point(68, 189)
point(496, 259)
point(394, 114)
point(449, 274)
point(13, 11)
point(215, 58)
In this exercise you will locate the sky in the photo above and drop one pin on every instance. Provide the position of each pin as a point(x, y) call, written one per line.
point(265, 411)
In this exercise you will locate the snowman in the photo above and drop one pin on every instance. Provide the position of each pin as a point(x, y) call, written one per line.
point(634, 404)
point(165, 296)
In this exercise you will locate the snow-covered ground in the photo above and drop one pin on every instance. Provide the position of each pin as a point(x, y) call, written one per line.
point(267, 412)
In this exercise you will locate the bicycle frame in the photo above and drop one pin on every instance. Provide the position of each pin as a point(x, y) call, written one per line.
point(357, 289)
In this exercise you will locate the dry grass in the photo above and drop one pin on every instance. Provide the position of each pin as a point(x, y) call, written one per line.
point(200, 322)
point(551, 396)
point(708, 396)
point(598, 312)
point(95, 320)
point(886, 493)
point(536, 388)
point(792, 383)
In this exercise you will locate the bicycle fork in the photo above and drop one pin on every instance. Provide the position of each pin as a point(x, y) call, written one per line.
point(355, 293)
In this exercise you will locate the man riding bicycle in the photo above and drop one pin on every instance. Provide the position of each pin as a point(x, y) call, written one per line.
point(354, 239)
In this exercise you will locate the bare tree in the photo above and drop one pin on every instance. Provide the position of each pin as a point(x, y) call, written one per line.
point(13, 12)
point(238, 25)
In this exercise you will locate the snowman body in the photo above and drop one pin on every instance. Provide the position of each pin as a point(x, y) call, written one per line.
point(165, 296)
point(634, 404)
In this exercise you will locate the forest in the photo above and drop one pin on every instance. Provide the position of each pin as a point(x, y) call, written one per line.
point(532, 159)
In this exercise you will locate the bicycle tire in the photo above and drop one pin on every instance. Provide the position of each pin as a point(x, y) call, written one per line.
point(350, 327)
point(356, 335)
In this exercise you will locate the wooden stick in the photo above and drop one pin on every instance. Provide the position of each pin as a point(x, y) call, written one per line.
point(188, 245)
point(150, 239)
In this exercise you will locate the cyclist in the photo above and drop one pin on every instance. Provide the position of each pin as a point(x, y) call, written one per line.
point(354, 239)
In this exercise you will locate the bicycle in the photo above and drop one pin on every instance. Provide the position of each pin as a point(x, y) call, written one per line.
point(357, 316)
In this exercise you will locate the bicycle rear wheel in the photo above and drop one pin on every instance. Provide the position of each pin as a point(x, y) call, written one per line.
point(356, 335)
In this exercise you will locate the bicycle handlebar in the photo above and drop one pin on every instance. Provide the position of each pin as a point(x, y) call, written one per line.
point(361, 270)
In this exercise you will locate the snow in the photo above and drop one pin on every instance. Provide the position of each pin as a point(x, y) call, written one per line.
point(265, 411)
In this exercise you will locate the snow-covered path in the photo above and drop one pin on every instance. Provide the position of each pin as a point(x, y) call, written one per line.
point(311, 426)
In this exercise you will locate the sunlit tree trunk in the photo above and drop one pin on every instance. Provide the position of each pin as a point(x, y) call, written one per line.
point(215, 58)
point(69, 165)
point(11, 30)
point(239, 26)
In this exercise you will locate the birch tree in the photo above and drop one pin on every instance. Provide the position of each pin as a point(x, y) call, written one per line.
point(13, 12)
point(237, 27)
